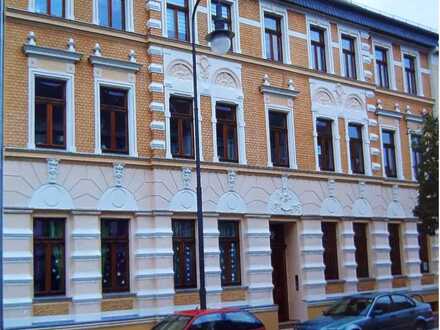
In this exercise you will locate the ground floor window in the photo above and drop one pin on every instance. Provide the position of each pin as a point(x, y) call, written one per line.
point(229, 243)
point(394, 239)
point(329, 242)
point(423, 248)
point(184, 248)
point(361, 245)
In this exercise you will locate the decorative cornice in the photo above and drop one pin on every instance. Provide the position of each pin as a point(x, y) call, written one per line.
point(114, 63)
point(414, 118)
point(389, 113)
point(58, 54)
point(279, 91)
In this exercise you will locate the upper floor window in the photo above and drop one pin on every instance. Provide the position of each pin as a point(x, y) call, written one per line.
point(114, 120)
point(423, 248)
point(361, 245)
point(115, 255)
point(229, 244)
point(382, 67)
point(279, 145)
point(325, 144)
point(416, 154)
point(410, 73)
point(181, 127)
point(349, 56)
point(226, 133)
point(177, 19)
point(394, 239)
point(272, 35)
point(225, 13)
point(50, 113)
point(112, 13)
point(329, 242)
point(49, 257)
point(389, 153)
point(51, 7)
point(317, 42)
point(184, 249)
point(356, 149)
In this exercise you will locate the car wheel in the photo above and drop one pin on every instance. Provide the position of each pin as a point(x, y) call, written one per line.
point(420, 326)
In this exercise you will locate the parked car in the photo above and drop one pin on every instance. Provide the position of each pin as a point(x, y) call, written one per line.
point(375, 311)
point(211, 319)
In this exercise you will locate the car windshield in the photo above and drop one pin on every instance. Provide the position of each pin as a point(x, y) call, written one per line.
point(350, 307)
point(174, 322)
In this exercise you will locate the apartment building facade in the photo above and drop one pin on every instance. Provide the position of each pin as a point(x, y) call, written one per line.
point(309, 134)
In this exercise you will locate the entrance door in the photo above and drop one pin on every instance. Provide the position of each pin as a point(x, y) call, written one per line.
point(279, 277)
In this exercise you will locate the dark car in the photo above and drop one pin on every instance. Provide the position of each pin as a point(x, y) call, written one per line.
point(375, 311)
point(211, 319)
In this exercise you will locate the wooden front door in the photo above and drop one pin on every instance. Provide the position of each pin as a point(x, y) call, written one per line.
point(279, 276)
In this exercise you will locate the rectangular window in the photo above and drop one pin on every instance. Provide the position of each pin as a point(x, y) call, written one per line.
point(279, 143)
point(416, 155)
point(182, 127)
point(356, 148)
point(349, 56)
point(115, 259)
point(272, 35)
point(112, 13)
point(361, 245)
point(389, 153)
point(184, 248)
point(382, 67)
point(325, 144)
point(329, 242)
point(423, 248)
point(177, 19)
point(229, 243)
point(49, 257)
point(227, 150)
point(410, 73)
point(394, 238)
point(317, 42)
point(114, 120)
point(50, 113)
point(51, 7)
point(225, 13)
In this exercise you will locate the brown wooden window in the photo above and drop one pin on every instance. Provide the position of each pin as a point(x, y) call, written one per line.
point(227, 149)
point(382, 67)
point(51, 7)
point(416, 154)
point(272, 35)
point(329, 242)
point(317, 43)
point(50, 113)
point(394, 239)
point(115, 257)
point(229, 243)
point(279, 142)
point(114, 120)
point(424, 250)
point(182, 127)
point(49, 257)
point(325, 144)
point(356, 148)
point(112, 13)
point(410, 73)
point(184, 248)
point(389, 153)
point(177, 19)
point(349, 56)
point(361, 245)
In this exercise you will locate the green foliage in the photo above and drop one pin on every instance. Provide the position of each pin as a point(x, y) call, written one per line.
point(427, 208)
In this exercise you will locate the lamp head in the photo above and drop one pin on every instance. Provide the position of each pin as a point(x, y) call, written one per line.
point(220, 38)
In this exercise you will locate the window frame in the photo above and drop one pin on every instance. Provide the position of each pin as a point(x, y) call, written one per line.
point(390, 60)
point(414, 173)
point(417, 68)
point(280, 130)
point(193, 284)
point(234, 22)
point(331, 267)
point(277, 33)
point(128, 17)
point(345, 53)
point(356, 36)
point(396, 248)
point(332, 157)
point(382, 66)
point(424, 253)
point(410, 73)
point(67, 13)
point(360, 142)
point(227, 125)
point(361, 250)
point(225, 240)
point(322, 45)
point(176, 9)
point(180, 118)
point(110, 15)
point(394, 132)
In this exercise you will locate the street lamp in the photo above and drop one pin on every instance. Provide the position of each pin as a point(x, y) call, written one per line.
point(221, 40)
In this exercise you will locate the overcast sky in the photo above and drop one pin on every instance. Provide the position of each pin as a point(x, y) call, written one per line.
point(420, 11)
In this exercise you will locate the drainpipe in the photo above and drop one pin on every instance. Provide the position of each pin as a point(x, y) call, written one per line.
point(2, 41)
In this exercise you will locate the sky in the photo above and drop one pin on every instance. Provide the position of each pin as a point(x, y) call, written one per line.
point(420, 11)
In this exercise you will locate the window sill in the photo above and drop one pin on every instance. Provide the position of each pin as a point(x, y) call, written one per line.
point(366, 279)
point(51, 299)
point(335, 281)
point(189, 290)
point(234, 287)
point(118, 295)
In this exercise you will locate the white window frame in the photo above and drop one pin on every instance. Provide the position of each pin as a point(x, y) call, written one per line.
point(390, 60)
point(281, 12)
point(397, 149)
point(410, 133)
point(69, 10)
point(129, 24)
point(419, 84)
point(69, 78)
point(239, 113)
point(324, 25)
point(342, 30)
point(365, 146)
point(190, 9)
point(131, 116)
point(336, 140)
point(290, 134)
point(235, 24)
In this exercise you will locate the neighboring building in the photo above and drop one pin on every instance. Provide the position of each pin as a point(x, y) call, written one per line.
point(309, 132)
point(434, 79)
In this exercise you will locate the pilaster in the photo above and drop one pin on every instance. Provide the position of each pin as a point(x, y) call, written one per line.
point(380, 247)
point(434, 256)
point(411, 254)
point(348, 260)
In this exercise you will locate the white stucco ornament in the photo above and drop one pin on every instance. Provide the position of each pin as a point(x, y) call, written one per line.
point(395, 209)
point(361, 206)
point(284, 201)
point(203, 72)
point(185, 200)
point(180, 71)
point(231, 201)
point(331, 206)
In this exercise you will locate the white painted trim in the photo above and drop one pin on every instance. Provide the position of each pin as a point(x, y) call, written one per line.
point(365, 145)
point(129, 14)
point(397, 148)
point(325, 25)
point(131, 98)
point(419, 82)
point(358, 50)
point(390, 59)
point(69, 78)
point(296, 34)
point(69, 8)
point(251, 22)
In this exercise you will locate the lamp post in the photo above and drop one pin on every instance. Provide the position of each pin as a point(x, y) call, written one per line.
point(220, 40)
